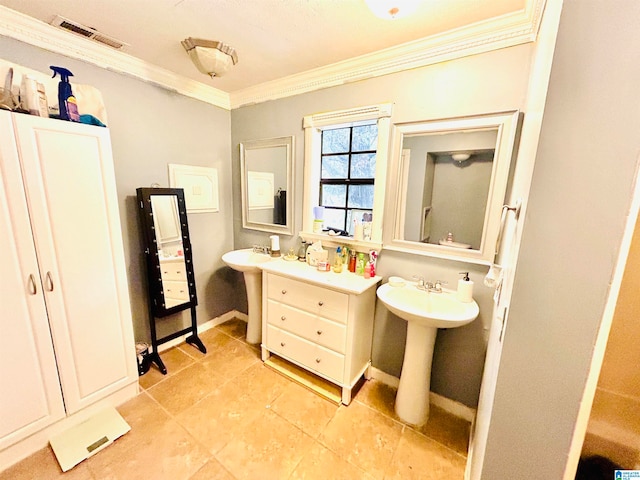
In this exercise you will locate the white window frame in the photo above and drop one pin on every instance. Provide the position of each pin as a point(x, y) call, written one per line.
point(313, 126)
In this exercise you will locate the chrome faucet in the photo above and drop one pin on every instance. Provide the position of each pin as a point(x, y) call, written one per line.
point(261, 249)
point(435, 287)
point(420, 280)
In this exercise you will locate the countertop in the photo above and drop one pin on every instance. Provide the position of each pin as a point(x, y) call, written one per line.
point(344, 282)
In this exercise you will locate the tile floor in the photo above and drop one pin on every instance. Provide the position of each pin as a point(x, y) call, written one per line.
point(225, 416)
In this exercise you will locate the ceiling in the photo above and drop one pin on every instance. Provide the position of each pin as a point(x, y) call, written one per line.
point(274, 39)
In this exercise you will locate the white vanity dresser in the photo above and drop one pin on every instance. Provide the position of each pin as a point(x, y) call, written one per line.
point(320, 321)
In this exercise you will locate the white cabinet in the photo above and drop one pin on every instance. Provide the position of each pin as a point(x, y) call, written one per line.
point(313, 322)
point(66, 335)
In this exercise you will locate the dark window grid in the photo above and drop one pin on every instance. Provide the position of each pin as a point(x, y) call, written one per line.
point(345, 181)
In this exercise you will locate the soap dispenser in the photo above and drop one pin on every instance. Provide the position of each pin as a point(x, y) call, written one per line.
point(465, 288)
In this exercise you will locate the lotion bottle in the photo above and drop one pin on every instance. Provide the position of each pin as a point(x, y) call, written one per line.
point(465, 288)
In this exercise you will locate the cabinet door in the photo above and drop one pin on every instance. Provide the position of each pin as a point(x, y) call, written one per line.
point(70, 184)
point(31, 397)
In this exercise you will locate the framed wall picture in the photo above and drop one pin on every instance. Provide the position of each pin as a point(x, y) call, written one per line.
point(200, 185)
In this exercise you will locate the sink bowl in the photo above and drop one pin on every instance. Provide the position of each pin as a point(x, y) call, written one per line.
point(245, 260)
point(424, 312)
point(439, 310)
point(248, 262)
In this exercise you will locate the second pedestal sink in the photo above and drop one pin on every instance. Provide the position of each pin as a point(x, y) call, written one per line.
point(424, 312)
point(247, 261)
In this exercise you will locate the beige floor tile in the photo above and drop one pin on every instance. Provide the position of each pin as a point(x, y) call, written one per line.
point(185, 388)
point(305, 409)
point(213, 339)
point(231, 359)
point(261, 382)
point(420, 458)
point(268, 449)
point(213, 470)
point(174, 359)
point(320, 463)
point(170, 454)
point(380, 396)
point(363, 436)
point(221, 415)
point(234, 328)
point(447, 429)
point(43, 465)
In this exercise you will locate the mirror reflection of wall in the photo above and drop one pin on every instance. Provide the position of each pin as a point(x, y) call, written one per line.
point(266, 184)
point(447, 196)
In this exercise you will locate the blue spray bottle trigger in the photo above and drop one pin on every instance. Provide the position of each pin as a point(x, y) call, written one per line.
point(66, 100)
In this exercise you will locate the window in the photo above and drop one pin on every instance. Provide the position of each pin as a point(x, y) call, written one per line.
point(345, 168)
point(347, 174)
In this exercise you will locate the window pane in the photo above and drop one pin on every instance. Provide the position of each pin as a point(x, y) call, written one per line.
point(335, 141)
point(363, 165)
point(365, 137)
point(333, 195)
point(360, 196)
point(335, 166)
point(334, 218)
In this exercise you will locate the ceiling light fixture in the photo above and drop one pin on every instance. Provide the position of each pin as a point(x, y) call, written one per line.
point(461, 157)
point(211, 57)
point(392, 9)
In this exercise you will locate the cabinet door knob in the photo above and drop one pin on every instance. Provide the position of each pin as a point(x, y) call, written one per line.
point(319, 332)
point(283, 318)
point(318, 360)
point(320, 303)
point(284, 291)
point(282, 344)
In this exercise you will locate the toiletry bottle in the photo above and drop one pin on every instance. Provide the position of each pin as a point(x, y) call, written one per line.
point(360, 264)
point(465, 288)
point(367, 270)
point(302, 252)
point(352, 261)
point(68, 103)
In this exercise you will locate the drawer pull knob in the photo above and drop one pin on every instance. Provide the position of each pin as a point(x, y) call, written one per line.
point(320, 303)
point(319, 332)
point(283, 318)
point(282, 344)
point(318, 360)
point(284, 292)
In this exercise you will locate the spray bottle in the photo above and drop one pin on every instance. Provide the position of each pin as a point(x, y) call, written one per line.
point(68, 103)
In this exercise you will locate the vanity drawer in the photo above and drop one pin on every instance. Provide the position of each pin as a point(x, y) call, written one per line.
point(317, 300)
point(316, 329)
point(312, 356)
point(176, 290)
point(174, 270)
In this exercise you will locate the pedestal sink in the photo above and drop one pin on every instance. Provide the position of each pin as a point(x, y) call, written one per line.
point(424, 312)
point(247, 261)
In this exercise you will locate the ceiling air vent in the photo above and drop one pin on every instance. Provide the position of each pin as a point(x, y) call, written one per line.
point(87, 32)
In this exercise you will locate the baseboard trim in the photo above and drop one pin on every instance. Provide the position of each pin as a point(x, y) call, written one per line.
point(214, 322)
point(456, 409)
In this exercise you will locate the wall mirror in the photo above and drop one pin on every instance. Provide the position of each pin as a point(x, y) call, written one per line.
point(450, 178)
point(169, 259)
point(266, 169)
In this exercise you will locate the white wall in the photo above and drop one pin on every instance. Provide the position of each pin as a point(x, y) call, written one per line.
point(150, 128)
point(462, 87)
point(580, 197)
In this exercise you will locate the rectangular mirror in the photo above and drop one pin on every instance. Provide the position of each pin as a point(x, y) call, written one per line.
point(451, 178)
point(266, 169)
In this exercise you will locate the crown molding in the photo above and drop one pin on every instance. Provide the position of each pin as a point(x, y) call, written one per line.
point(502, 32)
point(39, 34)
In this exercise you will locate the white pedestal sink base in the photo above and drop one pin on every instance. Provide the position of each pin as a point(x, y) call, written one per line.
point(412, 399)
point(253, 284)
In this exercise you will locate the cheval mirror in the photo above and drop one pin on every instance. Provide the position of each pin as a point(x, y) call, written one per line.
point(167, 249)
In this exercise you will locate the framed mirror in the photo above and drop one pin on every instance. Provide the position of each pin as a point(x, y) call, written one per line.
point(450, 178)
point(169, 259)
point(266, 170)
